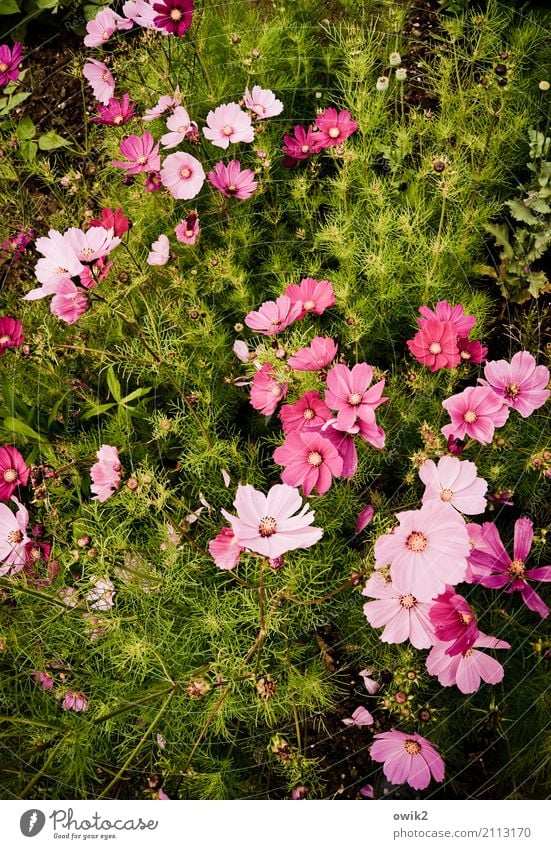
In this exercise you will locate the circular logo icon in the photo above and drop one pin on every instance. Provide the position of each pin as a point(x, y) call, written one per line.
point(32, 822)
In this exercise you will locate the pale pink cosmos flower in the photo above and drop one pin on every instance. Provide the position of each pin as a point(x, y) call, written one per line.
point(100, 29)
point(348, 392)
point(182, 175)
point(42, 678)
point(232, 181)
point(100, 597)
point(13, 537)
point(403, 615)
point(407, 758)
point(365, 516)
point(69, 302)
point(273, 316)
point(241, 350)
point(306, 413)
point(166, 102)
point(141, 152)
point(14, 472)
point(224, 549)
point(494, 568)
point(75, 701)
point(361, 716)
point(181, 127)
point(58, 262)
point(93, 244)
point(521, 384)
point(101, 79)
point(228, 123)
point(141, 12)
point(475, 412)
point(335, 127)
point(315, 296)
point(317, 356)
point(466, 670)
point(266, 524)
point(266, 390)
point(369, 683)
point(160, 251)
point(435, 345)
point(454, 482)
point(310, 461)
point(106, 473)
point(263, 102)
point(162, 795)
point(428, 550)
point(462, 323)
point(454, 622)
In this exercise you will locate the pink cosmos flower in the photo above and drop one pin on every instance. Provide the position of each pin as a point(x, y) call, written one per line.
point(14, 472)
point(303, 144)
point(369, 683)
point(58, 262)
point(11, 333)
point(241, 351)
point(314, 296)
point(106, 473)
point(101, 28)
point(344, 443)
point(10, 59)
point(228, 123)
point(13, 538)
point(365, 516)
point(187, 231)
point(335, 127)
point(367, 791)
point(361, 716)
point(232, 181)
point(14, 247)
point(69, 302)
point(160, 251)
point(372, 433)
point(75, 701)
point(428, 550)
point(141, 12)
point(495, 569)
point(471, 352)
point(162, 795)
point(165, 102)
point(101, 595)
point(182, 175)
point(348, 392)
point(454, 482)
point(454, 622)
point(273, 316)
point(402, 614)
point(435, 345)
point(443, 311)
point(101, 79)
point(181, 127)
point(112, 220)
point(263, 102)
point(266, 525)
point(95, 243)
point(116, 113)
point(174, 16)
point(141, 152)
point(224, 549)
point(466, 669)
point(306, 413)
point(266, 390)
point(475, 412)
point(152, 181)
point(520, 384)
point(310, 461)
point(317, 356)
point(42, 678)
point(407, 758)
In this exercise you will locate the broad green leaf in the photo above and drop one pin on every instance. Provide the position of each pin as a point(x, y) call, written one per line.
point(501, 235)
point(51, 141)
point(521, 212)
point(138, 393)
point(47, 4)
point(28, 150)
point(9, 7)
point(17, 426)
point(25, 129)
point(113, 384)
point(97, 411)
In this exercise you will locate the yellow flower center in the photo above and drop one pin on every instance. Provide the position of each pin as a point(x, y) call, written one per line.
point(408, 601)
point(308, 414)
point(185, 172)
point(10, 475)
point(469, 416)
point(315, 458)
point(416, 542)
point(227, 130)
point(309, 305)
point(176, 15)
point(267, 526)
point(435, 348)
point(446, 495)
point(355, 399)
point(334, 132)
point(412, 747)
point(517, 569)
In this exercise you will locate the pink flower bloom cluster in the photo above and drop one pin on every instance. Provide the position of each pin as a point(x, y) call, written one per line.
point(442, 339)
point(141, 154)
point(228, 124)
point(331, 128)
point(310, 296)
point(106, 473)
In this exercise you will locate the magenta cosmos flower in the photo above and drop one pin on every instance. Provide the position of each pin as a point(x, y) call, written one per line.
point(174, 16)
point(443, 311)
point(471, 351)
point(182, 175)
point(100, 29)
point(11, 333)
point(435, 345)
point(310, 461)
point(181, 127)
point(267, 391)
point(521, 384)
point(75, 701)
point(116, 113)
point(428, 550)
point(112, 220)
point(267, 524)
point(317, 356)
point(13, 538)
point(232, 181)
point(187, 231)
point(160, 251)
point(141, 152)
point(364, 518)
point(42, 678)
point(101, 79)
point(345, 445)
point(466, 669)
point(494, 568)
point(228, 123)
point(454, 622)
point(315, 296)
point(69, 302)
point(407, 758)
point(273, 316)
point(13, 471)
point(454, 482)
point(475, 412)
point(306, 413)
point(348, 392)
point(303, 144)
point(224, 549)
point(10, 60)
point(263, 102)
point(106, 473)
point(402, 614)
point(335, 127)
